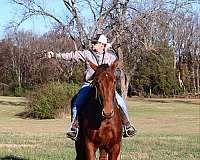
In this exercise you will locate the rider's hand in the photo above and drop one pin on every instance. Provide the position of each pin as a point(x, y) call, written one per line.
point(50, 54)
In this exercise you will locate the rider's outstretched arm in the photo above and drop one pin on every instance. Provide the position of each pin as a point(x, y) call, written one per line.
point(77, 55)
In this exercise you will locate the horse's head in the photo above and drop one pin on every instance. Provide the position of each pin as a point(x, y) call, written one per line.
point(105, 84)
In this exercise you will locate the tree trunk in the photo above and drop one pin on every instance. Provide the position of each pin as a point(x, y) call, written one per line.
point(18, 73)
point(174, 90)
point(123, 85)
point(193, 80)
point(150, 91)
point(198, 80)
point(18, 69)
point(122, 80)
point(127, 81)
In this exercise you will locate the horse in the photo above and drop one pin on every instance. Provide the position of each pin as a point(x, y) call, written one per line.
point(100, 125)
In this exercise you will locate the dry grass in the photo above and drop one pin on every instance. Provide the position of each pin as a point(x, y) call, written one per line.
point(17, 145)
point(167, 129)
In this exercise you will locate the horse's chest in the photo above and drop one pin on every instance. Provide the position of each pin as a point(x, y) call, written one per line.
point(105, 134)
point(106, 129)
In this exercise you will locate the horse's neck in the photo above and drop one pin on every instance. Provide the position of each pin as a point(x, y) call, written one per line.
point(93, 99)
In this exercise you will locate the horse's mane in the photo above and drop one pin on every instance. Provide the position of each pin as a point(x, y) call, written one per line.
point(101, 68)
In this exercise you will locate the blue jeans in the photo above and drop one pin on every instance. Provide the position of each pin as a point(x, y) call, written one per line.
point(81, 96)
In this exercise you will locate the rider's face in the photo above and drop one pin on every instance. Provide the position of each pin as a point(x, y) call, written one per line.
point(99, 47)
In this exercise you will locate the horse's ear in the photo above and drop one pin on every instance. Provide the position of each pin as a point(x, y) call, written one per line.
point(92, 65)
point(114, 65)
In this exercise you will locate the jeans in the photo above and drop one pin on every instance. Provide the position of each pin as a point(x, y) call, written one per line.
point(81, 96)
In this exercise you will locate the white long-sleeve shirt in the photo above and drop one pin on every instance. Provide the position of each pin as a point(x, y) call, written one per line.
point(107, 57)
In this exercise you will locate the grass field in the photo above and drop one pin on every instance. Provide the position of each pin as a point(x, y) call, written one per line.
point(168, 129)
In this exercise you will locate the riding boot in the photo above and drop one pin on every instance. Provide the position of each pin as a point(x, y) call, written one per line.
point(72, 132)
point(128, 129)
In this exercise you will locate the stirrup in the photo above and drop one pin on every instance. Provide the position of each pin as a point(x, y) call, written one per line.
point(129, 131)
point(72, 133)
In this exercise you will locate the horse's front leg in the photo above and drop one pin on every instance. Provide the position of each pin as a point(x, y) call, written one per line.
point(90, 150)
point(115, 152)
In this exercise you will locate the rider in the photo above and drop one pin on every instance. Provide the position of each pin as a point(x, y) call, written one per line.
point(101, 53)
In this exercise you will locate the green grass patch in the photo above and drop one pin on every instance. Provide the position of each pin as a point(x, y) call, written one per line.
point(167, 130)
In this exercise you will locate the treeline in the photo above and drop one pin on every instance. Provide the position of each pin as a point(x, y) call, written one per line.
point(157, 42)
point(23, 65)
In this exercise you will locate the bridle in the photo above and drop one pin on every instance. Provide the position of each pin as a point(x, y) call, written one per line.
point(93, 85)
point(98, 97)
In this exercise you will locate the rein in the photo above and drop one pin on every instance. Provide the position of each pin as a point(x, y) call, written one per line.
point(93, 85)
point(98, 97)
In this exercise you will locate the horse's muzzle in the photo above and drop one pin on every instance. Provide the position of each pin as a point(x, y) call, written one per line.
point(108, 115)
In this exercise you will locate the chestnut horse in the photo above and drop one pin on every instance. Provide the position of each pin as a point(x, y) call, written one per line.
point(100, 125)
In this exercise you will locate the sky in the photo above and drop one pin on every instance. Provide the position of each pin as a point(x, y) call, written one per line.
point(39, 25)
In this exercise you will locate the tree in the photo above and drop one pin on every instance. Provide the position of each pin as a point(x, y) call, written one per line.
point(136, 29)
point(155, 74)
point(100, 13)
point(23, 64)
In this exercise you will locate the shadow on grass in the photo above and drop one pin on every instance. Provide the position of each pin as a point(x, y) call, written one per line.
point(24, 115)
point(11, 157)
point(13, 103)
point(172, 101)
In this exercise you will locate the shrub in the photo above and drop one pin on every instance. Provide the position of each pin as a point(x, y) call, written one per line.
point(48, 101)
point(19, 91)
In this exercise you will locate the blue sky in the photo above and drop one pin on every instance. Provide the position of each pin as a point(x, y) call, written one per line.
point(9, 12)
